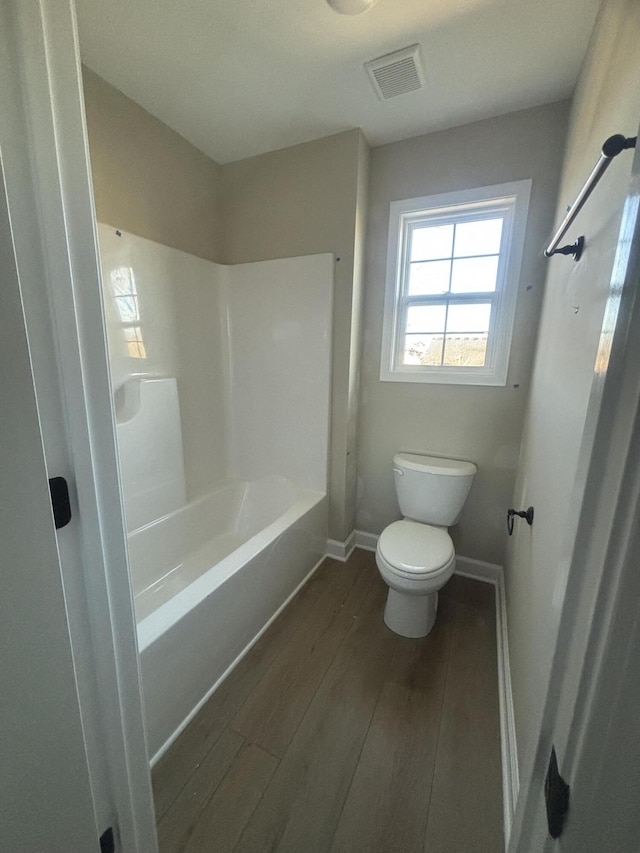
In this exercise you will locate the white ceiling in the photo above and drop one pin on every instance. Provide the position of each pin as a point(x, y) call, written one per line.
point(241, 77)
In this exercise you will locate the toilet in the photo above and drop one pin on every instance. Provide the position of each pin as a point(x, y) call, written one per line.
point(415, 556)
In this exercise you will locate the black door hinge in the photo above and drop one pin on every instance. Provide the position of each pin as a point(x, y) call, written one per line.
point(556, 797)
point(107, 841)
point(60, 501)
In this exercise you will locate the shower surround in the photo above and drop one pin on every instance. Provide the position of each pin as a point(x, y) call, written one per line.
point(221, 385)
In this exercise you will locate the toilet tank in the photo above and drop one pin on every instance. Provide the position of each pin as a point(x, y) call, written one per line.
point(430, 489)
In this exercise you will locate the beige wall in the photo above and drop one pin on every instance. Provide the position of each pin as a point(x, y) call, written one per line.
point(147, 179)
point(607, 101)
point(305, 200)
point(479, 423)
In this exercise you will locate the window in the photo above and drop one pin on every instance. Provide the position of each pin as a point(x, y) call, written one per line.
point(453, 270)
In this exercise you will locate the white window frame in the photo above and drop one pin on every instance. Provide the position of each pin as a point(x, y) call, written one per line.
point(510, 199)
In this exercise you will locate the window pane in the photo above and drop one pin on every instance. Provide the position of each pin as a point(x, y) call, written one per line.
point(431, 242)
point(426, 318)
point(423, 349)
point(478, 238)
point(429, 277)
point(474, 275)
point(469, 318)
point(465, 350)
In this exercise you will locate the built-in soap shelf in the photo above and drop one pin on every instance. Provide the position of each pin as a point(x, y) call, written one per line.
point(149, 434)
point(126, 398)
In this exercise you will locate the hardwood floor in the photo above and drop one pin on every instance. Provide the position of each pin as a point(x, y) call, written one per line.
point(334, 735)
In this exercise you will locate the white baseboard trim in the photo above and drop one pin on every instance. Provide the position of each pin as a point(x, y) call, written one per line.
point(491, 573)
point(341, 550)
point(467, 567)
point(366, 541)
point(508, 744)
point(356, 539)
point(183, 725)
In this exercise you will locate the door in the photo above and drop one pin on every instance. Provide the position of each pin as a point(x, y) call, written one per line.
point(47, 802)
point(591, 712)
point(605, 813)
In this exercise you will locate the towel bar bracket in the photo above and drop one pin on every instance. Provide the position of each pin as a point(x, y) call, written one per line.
point(574, 249)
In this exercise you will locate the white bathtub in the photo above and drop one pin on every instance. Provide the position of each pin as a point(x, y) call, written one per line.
point(207, 580)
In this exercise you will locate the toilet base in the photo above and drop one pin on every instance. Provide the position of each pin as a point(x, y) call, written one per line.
point(410, 616)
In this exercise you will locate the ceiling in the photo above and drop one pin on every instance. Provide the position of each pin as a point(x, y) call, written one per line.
point(241, 77)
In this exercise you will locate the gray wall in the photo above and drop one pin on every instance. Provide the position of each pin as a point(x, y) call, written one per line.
point(607, 101)
point(479, 423)
point(298, 201)
point(147, 179)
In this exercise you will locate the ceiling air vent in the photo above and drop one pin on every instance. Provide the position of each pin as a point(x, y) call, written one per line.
point(396, 73)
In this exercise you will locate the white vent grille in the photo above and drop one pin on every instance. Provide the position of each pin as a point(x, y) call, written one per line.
point(396, 73)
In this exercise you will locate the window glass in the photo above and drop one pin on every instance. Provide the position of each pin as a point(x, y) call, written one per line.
point(465, 350)
point(431, 243)
point(469, 318)
point(429, 277)
point(474, 275)
point(423, 349)
point(426, 318)
point(478, 238)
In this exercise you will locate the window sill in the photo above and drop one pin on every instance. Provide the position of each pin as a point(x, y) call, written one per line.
point(440, 377)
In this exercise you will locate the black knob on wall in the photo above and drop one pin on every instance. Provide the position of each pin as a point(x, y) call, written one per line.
point(527, 514)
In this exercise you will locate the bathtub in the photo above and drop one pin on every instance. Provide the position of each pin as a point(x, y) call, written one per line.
point(207, 580)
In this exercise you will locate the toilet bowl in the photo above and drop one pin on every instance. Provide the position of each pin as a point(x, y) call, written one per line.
point(416, 558)
point(415, 561)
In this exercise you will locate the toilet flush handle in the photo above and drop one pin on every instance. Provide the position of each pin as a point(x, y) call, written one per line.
point(398, 471)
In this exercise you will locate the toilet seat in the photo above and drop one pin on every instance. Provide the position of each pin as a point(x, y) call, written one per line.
point(414, 550)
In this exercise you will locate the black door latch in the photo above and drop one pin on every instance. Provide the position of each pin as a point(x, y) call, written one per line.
point(556, 797)
point(107, 841)
point(60, 501)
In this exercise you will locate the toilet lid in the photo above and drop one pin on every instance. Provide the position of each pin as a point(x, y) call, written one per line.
point(414, 547)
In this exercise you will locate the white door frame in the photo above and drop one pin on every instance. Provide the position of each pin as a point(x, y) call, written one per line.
point(50, 199)
point(602, 565)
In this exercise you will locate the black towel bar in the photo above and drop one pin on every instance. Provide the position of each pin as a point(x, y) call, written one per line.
point(611, 148)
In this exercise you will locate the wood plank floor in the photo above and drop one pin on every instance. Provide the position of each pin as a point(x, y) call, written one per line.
point(334, 735)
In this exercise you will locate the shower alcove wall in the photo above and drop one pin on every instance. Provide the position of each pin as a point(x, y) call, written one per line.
point(221, 384)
